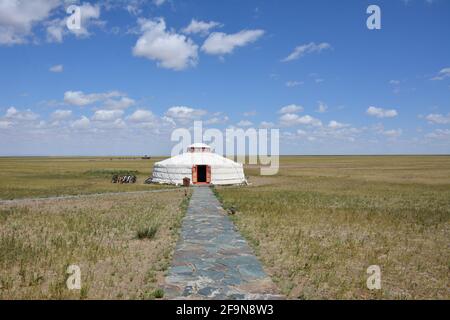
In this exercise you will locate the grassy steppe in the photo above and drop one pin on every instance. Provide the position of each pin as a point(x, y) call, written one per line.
point(322, 221)
point(29, 177)
point(122, 244)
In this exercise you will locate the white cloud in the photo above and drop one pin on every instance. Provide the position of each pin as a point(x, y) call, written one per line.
point(169, 49)
point(57, 68)
point(134, 7)
point(17, 18)
point(141, 115)
point(274, 76)
point(145, 119)
point(11, 112)
point(89, 15)
point(118, 124)
point(394, 82)
point(250, 113)
point(266, 125)
point(216, 120)
point(5, 124)
point(159, 2)
point(79, 98)
point(439, 134)
point(121, 103)
point(336, 125)
point(201, 27)
point(168, 120)
point(381, 113)
point(57, 28)
point(394, 133)
point(244, 123)
point(183, 113)
point(220, 43)
point(107, 115)
point(14, 114)
point(302, 50)
point(333, 131)
point(292, 84)
point(291, 119)
point(322, 107)
point(444, 73)
point(287, 134)
point(102, 126)
point(292, 108)
point(82, 123)
point(61, 114)
point(438, 118)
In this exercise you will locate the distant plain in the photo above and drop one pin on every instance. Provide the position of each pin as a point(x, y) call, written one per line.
point(316, 226)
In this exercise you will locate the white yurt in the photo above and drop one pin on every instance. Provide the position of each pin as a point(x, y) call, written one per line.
point(201, 166)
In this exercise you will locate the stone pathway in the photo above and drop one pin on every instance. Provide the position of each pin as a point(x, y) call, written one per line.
point(212, 260)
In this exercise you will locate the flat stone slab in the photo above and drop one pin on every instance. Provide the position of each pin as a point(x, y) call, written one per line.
point(212, 260)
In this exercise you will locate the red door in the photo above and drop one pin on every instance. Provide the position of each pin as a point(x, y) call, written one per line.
point(194, 174)
point(208, 174)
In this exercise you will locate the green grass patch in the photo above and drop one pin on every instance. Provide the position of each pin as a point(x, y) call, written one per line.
point(147, 232)
point(158, 293)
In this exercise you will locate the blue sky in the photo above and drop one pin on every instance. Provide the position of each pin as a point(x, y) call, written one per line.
point(137, 70)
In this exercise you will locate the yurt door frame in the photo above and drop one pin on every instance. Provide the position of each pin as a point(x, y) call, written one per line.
point(201, 174)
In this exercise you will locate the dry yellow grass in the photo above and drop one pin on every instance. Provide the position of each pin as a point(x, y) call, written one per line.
point(316, 227)
point(322, 221)
point(38, 240)
point(29, 177)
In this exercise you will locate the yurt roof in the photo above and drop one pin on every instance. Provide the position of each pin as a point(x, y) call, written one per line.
point(198, 158)
point(199, 145)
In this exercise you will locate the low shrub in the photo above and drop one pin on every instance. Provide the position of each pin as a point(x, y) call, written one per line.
point(107, 173)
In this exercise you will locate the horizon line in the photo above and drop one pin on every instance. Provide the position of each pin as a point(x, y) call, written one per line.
point(281, 155)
